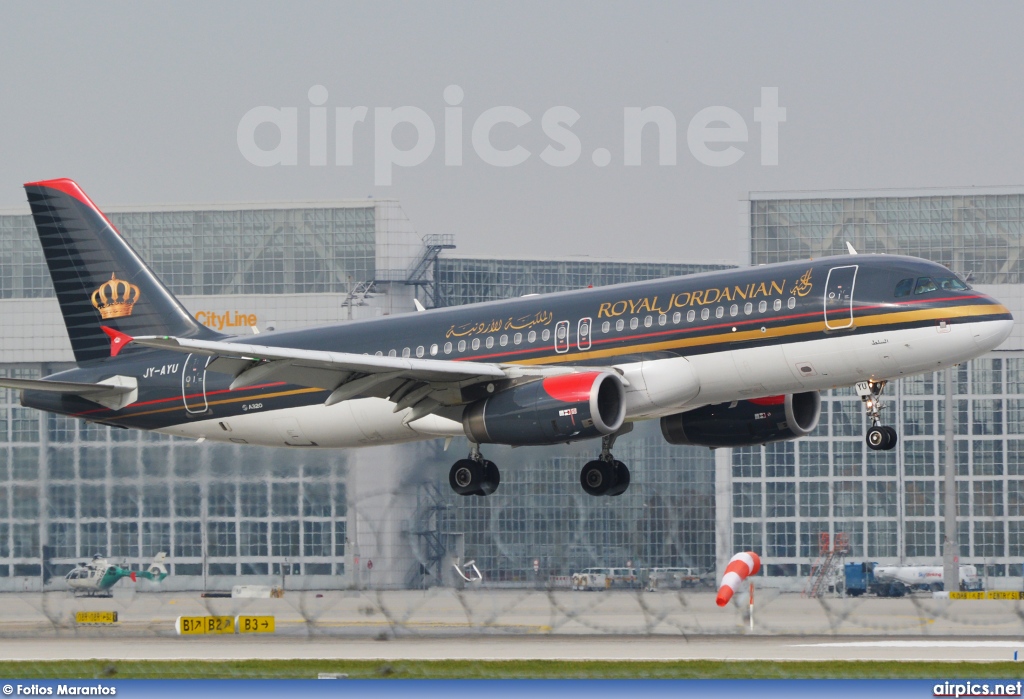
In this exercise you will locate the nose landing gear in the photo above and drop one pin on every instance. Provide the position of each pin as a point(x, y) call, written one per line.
point(474, 475)
point(879, 437)
point(605, 476)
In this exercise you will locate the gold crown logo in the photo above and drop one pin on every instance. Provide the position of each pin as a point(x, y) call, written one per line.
point(116, 298)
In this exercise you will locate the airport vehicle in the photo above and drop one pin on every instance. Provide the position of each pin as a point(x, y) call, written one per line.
point(592, 579)
point(98, 576)
point(672, 578)
point(860, 579)
point(605, 579)
point(928, 577)
point(727, 358)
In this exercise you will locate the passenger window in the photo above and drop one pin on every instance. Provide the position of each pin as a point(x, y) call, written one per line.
point(634, 323)
point(748, 308)
point(532, 337)
point(720, 311)
point(405, 353)
point(545, 335)
point(447, 348)
point(619, 325)
point(392, 353)
point(925, 285)
point(648, 322)
point(517, 338)
point(420, 351)
point(791, 303)
point(662, 319)
point(379, 353)
point(777, 305)
point(705, 314)
point(503, 340)
point(762, 307)
point(676, 317)
point(734, 310)
point(690, 315)
point(476, 343)
point(605, 327)
point(489, 342)
point(433, 350)
point(904, 287)
point(462, 345)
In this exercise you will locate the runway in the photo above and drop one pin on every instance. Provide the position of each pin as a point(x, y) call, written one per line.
point(579, 648)
point(518, 624)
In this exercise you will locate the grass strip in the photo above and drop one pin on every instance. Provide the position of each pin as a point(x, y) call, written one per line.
point(510, 669)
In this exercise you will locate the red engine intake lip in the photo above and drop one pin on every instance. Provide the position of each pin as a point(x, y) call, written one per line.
point(607, 400)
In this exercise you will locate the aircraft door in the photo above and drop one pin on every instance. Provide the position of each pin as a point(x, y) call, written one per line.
point(839, 297)
point(562, 336)
point(193, 383)
point(583, 334)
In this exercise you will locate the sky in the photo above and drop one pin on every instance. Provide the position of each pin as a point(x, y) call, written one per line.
point(160, 103)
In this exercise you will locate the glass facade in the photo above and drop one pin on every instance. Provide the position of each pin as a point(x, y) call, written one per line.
point(665, 519)
point(463, 280)
point(80, 489)
point(246, 251)
point(976, 235)
point(890, 504)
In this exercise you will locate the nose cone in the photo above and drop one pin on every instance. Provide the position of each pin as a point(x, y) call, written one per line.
point(989, 334)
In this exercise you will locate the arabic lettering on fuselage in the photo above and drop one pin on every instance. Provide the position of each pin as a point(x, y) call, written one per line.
point(497, 325)
point(702, 297)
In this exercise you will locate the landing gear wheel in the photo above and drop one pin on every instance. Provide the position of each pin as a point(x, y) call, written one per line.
point(597, 477)
point(893, 438)
point(621, 478)
point(466, 477)
point(877, 438)
point(491, 478)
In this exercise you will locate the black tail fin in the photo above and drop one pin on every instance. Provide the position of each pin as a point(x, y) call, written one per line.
point(99, 279)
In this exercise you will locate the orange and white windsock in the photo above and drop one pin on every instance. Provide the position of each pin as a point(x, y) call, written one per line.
point(740, 566)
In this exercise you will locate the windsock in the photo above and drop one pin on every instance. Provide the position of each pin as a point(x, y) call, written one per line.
point(740, 566)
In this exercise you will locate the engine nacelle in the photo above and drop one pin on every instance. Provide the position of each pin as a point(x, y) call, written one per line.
point(746, 422)
point(554, 410)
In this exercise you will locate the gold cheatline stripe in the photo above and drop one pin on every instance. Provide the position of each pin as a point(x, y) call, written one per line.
point(784, 331)
point(246, 399)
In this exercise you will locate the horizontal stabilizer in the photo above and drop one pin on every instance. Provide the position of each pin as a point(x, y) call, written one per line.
point(114, 393)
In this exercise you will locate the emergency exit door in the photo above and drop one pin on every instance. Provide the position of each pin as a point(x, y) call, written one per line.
point(839, 297)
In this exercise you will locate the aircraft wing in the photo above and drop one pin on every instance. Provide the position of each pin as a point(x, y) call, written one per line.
point(421, 384)
point(114, 393)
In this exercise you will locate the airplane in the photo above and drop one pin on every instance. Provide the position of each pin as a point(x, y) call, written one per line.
point(723, 359)
point(98, 576)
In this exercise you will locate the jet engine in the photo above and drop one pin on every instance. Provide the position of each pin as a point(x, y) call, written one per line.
point(746, 422)
point(553, 410)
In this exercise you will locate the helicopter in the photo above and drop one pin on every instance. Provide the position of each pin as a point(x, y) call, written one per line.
point(97, 577)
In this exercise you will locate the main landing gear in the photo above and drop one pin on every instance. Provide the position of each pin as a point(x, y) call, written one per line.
point(474, 475)
point(605, 476)
point(879, 437)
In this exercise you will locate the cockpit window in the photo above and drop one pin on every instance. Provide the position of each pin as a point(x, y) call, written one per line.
point(904, 287)
point(928, 284)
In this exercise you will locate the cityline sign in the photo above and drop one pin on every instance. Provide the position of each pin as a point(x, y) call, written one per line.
point(227, 319)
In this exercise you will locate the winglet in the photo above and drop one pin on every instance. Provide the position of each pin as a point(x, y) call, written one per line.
point(118, 340)
point(849, 248)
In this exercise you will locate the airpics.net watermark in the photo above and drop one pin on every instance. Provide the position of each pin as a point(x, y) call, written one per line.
point(713, 135)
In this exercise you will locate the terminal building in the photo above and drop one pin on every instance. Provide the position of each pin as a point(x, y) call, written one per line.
point(780, 498)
